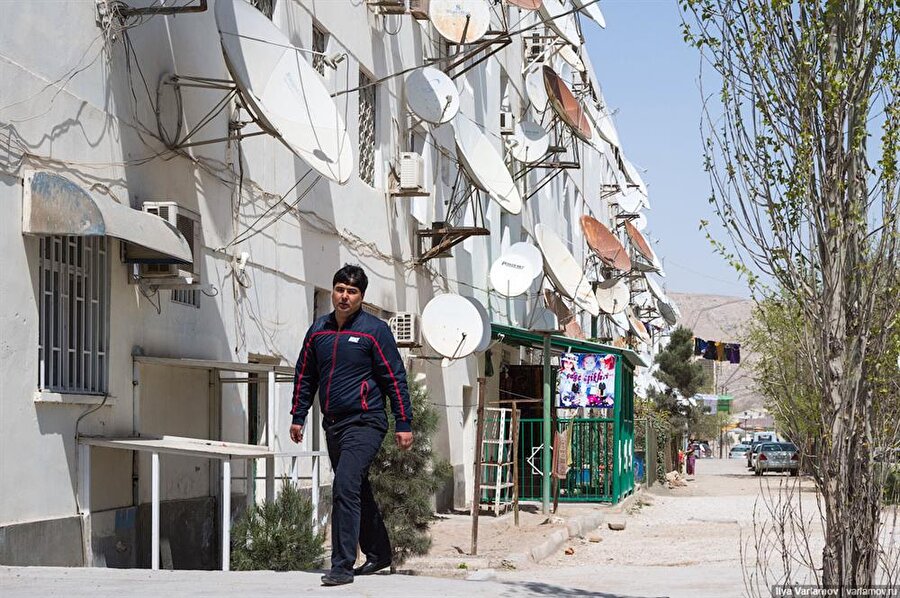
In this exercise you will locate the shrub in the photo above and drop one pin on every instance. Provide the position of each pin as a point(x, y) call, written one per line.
point(277, 536)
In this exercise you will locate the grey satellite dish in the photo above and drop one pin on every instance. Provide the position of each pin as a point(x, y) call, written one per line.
point(592, 11)
point(536, 90)
point(431, 95)
point(564, 271)
point(460, 21)
point(452, 325)
point(284, 92)
point(666, 311)
point(553, 14)
point(529, 143)
point(485, 165)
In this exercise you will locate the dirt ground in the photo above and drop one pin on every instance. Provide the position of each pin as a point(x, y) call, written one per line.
point(685, 541)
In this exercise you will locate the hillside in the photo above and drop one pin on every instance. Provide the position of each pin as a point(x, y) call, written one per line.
point(723, 318)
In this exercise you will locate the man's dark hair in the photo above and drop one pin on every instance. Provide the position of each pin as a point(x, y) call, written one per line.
point(353, 276)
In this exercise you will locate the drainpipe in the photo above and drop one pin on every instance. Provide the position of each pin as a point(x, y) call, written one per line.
point(135, 422)
point(545, 480)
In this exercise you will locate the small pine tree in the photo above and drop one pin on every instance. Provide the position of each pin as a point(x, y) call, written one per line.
point(682, 376)
point(405, 481)
point(278, 536)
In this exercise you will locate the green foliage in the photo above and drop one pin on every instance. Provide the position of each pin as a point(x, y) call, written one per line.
point(405, 481)
point(677, 369)
point(277, 536)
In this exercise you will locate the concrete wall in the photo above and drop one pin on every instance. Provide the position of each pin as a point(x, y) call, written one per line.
point(72, 103)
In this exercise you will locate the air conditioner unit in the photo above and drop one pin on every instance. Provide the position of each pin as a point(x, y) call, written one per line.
point(419, 9)
point(412, 172)
point(388, 7)
point(507, 122)
point(188, 224)
point(405, 327)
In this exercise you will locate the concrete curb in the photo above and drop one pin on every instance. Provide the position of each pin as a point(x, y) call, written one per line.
point(578, 527)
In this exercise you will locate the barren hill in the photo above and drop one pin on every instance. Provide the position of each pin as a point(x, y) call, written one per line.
point(723, 318)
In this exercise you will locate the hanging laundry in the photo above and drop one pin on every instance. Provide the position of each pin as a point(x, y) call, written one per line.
point(710, 351)
point(699, 346)
point(735, 356)
point(720, 351)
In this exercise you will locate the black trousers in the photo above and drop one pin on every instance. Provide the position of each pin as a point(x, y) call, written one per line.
point(355, 518)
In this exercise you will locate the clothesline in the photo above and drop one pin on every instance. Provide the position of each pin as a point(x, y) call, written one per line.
point(717, 350)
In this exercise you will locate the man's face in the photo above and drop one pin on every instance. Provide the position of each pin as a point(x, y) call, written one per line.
point(346, 299)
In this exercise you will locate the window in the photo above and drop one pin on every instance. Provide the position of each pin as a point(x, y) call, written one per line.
point(186, 297)
point(74, 315)
point(319, 43)
point(367, 129)
point(267, 7)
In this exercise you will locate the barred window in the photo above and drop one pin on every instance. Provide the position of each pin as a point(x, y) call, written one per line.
point(367, 118)
point(74, 315)
point(267, 7)
point(186, 297)
point(319, 43)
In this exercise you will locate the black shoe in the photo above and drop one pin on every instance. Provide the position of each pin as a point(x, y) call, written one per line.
point(336, 579)
point(369, 567)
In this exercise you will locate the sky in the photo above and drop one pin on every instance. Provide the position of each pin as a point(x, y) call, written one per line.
point(650, 79)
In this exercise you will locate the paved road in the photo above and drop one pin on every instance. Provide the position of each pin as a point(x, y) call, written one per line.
point(686, 543)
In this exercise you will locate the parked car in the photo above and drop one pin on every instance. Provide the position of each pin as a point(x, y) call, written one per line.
point(777, 456)
point(739, 451)
point(750, 454)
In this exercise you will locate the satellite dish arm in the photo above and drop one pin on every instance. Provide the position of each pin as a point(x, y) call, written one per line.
point(306, 379)
point(390, 375)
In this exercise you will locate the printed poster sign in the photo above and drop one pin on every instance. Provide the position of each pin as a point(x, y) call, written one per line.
point(586, 380)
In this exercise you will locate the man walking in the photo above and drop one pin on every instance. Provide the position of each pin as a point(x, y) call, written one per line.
point(351, 359)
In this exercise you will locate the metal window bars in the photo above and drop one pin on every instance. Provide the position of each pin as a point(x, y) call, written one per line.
point(367, 118)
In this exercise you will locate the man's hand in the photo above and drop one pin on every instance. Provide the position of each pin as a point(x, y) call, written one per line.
point(404, 440)
point(297, 433)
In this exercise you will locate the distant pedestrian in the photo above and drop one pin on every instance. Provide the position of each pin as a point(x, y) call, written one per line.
point(351, 359)
point(691, 457)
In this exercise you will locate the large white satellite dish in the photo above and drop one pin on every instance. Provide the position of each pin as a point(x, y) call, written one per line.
point(633, 176)
point(570, 55)
point(640, 222)
point(630, 201)
point(513, 272)
point(564, 26)
point(637, 326)
point(484, 165)
point(655, 289)
point(486, 321)
point(460, 21)
point(284, 92)
point(620, 320)
point(532, 254)
point(432, 95)
point(613, 296)
point(529, 142)
point(536, 90)
point(592, 11)
point(564, 271)
point(452, 325)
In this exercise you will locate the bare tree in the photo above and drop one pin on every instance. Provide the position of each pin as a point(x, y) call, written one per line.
point(802, 151)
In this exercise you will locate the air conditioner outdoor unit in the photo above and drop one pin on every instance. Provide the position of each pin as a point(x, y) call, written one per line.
point(412, 172)
point(507, 122)
point(188, 224)
point(405, 327)
point(388, 7)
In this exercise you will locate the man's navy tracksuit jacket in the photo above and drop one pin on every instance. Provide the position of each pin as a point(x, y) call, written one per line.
point(353, 370)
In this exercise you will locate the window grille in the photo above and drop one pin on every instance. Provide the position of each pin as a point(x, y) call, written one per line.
point(186, 297)
point(367, 117)
point(74, 315)
point(319, 43)
point(267, 7)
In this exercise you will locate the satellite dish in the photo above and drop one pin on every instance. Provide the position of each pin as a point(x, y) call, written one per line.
point(643, 247)
point(564, 271)
point(607, 130)
point(644, 300)
point(526, 4)
point(655, 289)
point(452, 326)
point(570, 55)
point(564, 315)
point(592, 11)
point(529, 142)
point(484, 165)
point(640, 222)
point(605, 244)
point(460, 21)
point(486, 322)
point(512, 273)
point(431, 95)
point(564, 26)
point(536, 90)
point(532, 254)
point(613, 296)
point(667, 312)
point(566, 104)
point(630, 201)
point(634, 177)
point(284, 92)
point(637, 326)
